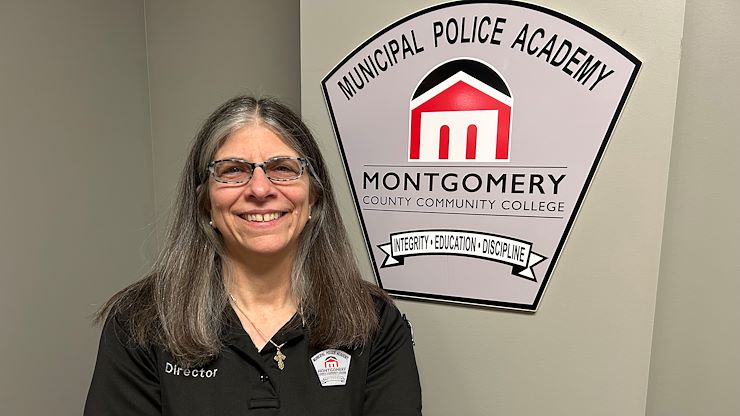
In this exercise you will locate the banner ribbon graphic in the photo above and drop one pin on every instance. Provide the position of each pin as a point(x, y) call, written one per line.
point(507, 250)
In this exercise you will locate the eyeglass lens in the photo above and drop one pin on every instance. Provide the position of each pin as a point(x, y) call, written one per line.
point(278, 169)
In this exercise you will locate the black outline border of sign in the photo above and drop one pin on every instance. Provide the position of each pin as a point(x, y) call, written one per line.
point(581, 197)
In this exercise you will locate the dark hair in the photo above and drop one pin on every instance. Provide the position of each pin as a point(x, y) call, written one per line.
point(181, 304)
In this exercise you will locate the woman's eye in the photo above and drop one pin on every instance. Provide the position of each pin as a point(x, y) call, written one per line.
point(285, 167)
point(230, 169)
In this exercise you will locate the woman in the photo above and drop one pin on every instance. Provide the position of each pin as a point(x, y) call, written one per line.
point(255, 305)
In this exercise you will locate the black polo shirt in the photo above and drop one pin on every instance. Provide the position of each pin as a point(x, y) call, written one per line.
point(381, 379)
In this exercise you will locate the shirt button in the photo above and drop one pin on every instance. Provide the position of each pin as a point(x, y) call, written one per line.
point(264, 378)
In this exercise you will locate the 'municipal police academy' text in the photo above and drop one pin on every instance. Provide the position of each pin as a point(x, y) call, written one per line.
point(573, 60)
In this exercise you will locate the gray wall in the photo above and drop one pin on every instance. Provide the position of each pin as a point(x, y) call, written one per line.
point(695, 364)
point(84, 162)
point(588, 350)
point(647, 224)
point(202, 53)
point(76, 189)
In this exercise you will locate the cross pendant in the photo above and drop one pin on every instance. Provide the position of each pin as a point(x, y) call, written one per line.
point(280, 359)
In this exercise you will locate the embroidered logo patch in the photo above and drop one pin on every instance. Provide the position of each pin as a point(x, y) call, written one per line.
point(332, 367)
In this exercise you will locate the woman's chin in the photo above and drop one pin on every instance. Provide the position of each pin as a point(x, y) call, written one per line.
point(262, 249)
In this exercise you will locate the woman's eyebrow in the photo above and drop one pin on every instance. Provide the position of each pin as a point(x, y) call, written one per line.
point(242, 158)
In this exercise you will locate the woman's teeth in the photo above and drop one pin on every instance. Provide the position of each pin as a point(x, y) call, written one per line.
point(264, 217)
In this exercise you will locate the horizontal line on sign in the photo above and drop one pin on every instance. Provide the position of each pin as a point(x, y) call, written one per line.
point(462, 166)
point(462, 213)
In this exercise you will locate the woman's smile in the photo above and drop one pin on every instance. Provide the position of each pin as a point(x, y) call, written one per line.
point(266, 217)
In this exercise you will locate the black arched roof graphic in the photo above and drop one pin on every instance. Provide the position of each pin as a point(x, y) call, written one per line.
point(474, 68)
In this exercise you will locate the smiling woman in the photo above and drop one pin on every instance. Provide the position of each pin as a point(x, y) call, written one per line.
point(257, 280)
point(259, 214)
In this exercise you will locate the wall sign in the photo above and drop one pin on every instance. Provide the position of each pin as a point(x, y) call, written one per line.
point(470, 132)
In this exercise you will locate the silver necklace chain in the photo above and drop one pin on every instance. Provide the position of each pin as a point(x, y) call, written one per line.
point(279, 356)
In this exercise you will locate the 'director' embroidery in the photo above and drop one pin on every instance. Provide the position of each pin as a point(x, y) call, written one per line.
point(189, 372)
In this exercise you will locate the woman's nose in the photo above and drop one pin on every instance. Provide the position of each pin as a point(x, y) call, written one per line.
point(260, 185)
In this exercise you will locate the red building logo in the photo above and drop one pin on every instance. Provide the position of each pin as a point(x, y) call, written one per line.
point(461, 111)
point(331, 362)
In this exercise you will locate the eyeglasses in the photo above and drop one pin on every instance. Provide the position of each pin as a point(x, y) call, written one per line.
point(277, 169)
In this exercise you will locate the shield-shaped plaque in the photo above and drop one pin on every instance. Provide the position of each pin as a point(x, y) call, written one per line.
point(470, 134)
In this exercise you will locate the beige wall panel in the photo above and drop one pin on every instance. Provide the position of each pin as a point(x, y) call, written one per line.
point(587, 350)
point(76, 189)
point(200, 54)
point(695, 365)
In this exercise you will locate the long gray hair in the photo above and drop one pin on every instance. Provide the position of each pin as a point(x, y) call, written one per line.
point(181, 304)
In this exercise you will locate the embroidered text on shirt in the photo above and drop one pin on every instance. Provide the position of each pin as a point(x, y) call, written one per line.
point(170, 368)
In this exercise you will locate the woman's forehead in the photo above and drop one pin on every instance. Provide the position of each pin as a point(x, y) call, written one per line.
point(254, 143)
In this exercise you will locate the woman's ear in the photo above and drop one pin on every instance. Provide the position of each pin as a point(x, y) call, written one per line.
point(202, 197)
point(313, 198)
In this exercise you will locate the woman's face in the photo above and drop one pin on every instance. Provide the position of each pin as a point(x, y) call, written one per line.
point(259, 217)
